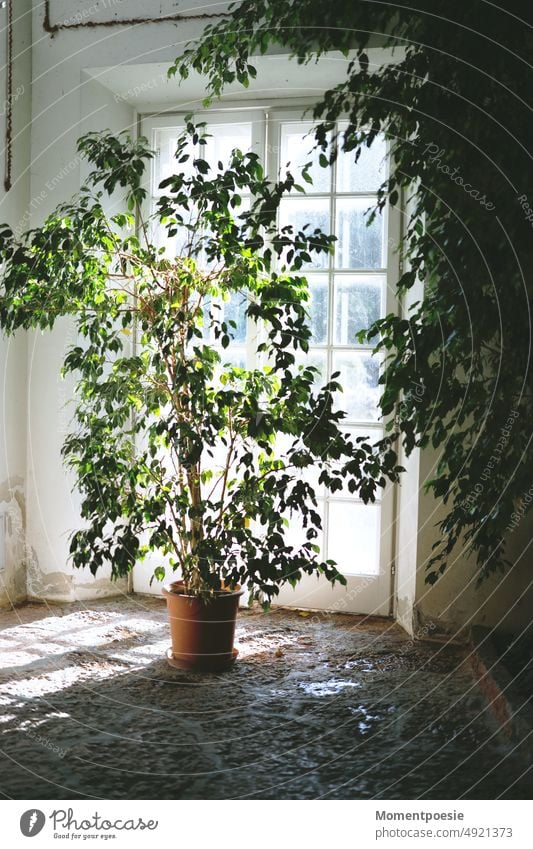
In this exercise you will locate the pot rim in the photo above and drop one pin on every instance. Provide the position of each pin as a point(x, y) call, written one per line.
point(168, 590)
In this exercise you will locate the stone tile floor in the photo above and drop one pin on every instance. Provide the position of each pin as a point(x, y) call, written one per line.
point(317, 706)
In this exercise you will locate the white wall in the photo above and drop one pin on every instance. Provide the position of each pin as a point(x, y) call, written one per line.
point(67, 102)
point(13, 349)
point(456, 601)
point(53, 505)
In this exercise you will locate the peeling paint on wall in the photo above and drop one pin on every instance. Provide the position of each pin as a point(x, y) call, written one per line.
point(439, 629)
point(405, 614)
point(12, 558)
point(61, 586)
point(49, 586)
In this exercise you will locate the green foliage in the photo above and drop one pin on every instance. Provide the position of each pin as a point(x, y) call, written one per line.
point(455, 105)
point(176, 450)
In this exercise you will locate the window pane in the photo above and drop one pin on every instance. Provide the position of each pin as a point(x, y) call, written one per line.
point(365, 175)
point(316, 359)
point(370, 434)
point(313, 212)
point(296, 150)
point(318, 307)
point(224, 138)
point(359, 373)
point(233, 356)
point(358, 245)
point(296, 534)
point(357, 305)
point(354, 531)
point(235, 310)
point(310, 474)
point(166, 164)
point(194, 242)
point(218, 310)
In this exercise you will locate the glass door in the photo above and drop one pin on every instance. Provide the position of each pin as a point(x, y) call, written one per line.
point(349, 290)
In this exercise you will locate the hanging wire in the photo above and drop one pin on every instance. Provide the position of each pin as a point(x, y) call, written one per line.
point(9, 98)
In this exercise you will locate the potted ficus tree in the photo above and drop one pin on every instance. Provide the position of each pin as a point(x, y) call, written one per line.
point(177, 450)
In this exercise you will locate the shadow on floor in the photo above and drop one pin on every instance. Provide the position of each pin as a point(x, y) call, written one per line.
point(332, 706)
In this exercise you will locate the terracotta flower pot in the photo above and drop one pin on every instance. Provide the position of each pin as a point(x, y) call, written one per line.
point(202, 632)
